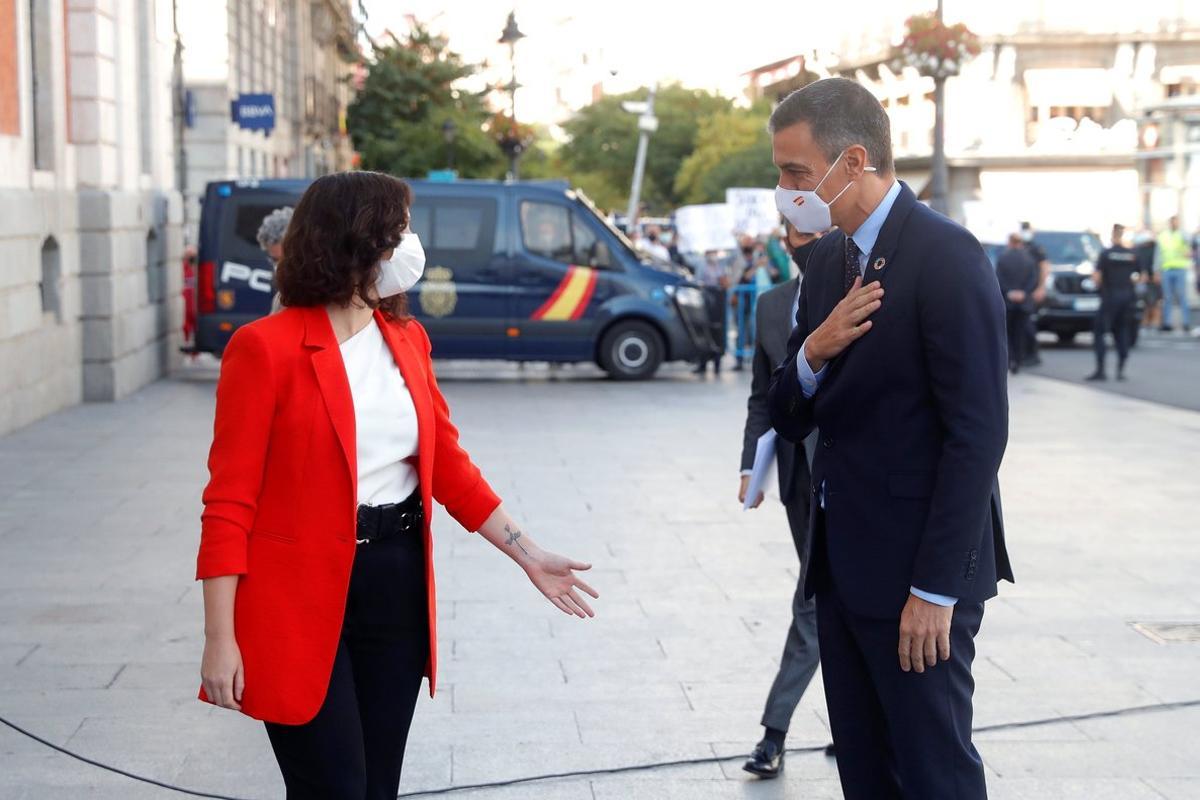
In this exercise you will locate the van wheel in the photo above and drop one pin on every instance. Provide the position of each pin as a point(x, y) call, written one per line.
point(631, 351)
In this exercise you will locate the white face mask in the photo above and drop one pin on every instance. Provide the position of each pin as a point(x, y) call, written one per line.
point(402, 271)
point(807, 212)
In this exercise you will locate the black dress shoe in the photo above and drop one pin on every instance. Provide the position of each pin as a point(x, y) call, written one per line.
point(1096, 377)
point(766, 761)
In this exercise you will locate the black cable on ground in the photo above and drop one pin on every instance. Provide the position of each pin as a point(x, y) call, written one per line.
point(1003, 726)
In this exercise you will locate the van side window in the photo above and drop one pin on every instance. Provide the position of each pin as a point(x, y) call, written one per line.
point(249, 217)
point(589, 251)
point(546, 230)
point(459, 228)
point(553, 231)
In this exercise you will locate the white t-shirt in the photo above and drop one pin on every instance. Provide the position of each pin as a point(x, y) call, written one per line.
point(385, 420)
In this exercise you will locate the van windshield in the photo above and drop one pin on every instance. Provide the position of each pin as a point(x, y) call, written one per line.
point(1069, 247)
point(613, 229)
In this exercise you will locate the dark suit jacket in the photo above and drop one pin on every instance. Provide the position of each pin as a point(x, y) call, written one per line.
point(773, 325)
point(1016, 269)
point(913, 418)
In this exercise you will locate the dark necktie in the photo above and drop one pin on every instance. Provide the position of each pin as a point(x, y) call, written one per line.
point(852, 264)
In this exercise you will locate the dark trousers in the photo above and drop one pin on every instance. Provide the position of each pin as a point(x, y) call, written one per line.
point(800, 657)
point(716, 304)
point(353, 749)
point(1018, 335)
point(898, 735)
point(1116, 315)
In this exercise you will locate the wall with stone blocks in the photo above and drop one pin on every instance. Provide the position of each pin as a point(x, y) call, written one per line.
point(40, 360)
point(131, 312)
point(117, 327)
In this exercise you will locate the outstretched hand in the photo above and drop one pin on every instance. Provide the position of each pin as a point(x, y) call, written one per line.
point(554, 576)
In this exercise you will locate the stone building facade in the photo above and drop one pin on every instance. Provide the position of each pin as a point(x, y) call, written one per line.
point(90, 222)
point(1044, 124)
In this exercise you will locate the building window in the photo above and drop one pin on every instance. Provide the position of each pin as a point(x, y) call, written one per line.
point(51, 279)
point(156, 275)
point(42, 88)
point(145, 56)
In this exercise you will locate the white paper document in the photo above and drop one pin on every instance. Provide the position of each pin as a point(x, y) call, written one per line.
point(764, 462)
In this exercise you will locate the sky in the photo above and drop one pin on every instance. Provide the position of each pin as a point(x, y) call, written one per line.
point(709, 45)
point(638, 41)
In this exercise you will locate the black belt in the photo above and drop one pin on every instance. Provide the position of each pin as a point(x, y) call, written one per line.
point(392, 519)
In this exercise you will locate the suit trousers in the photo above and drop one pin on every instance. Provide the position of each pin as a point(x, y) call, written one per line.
point(800, 656)
point(899, 735)
point(354, 746)
point(1017, 320)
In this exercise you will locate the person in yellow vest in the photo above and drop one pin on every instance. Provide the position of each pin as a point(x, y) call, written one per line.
point(1176, 257)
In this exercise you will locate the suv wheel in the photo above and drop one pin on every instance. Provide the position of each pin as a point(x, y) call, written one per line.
point(631, 351)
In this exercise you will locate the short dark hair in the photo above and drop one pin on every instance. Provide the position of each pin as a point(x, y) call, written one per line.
point(341, 227)
point(840, 112)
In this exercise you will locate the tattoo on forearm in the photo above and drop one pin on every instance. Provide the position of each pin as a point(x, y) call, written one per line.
point(514, 537)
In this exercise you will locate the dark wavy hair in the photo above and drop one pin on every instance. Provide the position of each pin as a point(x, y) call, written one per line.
point(341, 227)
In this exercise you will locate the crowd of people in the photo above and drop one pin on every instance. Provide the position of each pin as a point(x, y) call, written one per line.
point(756, 265)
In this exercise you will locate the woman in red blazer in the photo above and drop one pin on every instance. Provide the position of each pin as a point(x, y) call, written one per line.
point(331, 442)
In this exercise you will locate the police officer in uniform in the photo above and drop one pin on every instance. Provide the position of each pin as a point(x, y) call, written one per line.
point(1115, 270)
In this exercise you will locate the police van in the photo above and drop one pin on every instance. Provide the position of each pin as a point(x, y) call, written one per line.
point(524, 271)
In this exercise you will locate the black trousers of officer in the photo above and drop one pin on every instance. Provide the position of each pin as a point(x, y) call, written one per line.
point(899, 735)
point(800, 655)
point(354, 748)
point(1116, 315)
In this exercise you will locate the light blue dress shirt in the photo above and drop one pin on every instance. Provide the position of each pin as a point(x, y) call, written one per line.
point(865, 238)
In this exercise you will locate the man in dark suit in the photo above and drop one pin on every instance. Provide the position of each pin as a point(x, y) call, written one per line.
point(905, 377)
point(775, 315)
point(1017, 273)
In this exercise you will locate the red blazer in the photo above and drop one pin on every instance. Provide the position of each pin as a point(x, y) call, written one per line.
point(281, 502)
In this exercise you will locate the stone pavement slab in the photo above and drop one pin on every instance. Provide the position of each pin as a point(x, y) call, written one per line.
point(100, 621)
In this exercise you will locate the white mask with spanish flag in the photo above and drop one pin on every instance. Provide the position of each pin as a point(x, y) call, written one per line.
point(805, 209)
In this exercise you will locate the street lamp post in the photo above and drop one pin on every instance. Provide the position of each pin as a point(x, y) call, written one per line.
point(647, 124)
point(449, 132)
point(939, 175)
point(510, 36)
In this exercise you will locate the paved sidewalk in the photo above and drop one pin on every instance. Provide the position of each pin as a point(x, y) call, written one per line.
point(100, 621)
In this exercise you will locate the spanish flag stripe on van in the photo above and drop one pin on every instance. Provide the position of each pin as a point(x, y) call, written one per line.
point(570, 297)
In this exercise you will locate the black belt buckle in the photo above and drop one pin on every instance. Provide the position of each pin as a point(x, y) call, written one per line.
point(390, 519)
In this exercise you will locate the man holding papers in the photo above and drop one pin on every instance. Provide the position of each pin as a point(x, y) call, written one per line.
point(774, 319)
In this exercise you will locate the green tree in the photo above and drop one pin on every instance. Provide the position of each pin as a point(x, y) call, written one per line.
point(749, 167)
point(396, 119)
point(602, 148)
point(732, 149)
